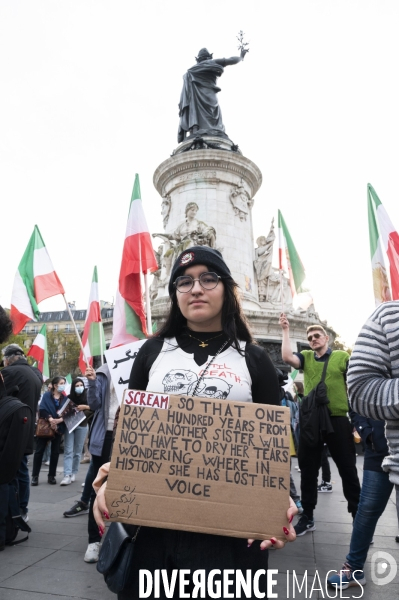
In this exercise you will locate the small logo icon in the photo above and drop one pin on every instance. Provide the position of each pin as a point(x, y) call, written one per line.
point(383, 568)
point(187, 258)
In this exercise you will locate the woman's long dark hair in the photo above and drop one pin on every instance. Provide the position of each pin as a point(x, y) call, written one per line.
point(76, 398)
point(234, 324)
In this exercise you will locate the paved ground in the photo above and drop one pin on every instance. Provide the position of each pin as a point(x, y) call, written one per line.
point(50, 564)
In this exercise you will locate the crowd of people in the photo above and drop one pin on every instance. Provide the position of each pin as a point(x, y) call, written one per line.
point(206, 321)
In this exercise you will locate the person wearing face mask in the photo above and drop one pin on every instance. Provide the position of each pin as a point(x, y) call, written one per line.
point(73, 442)
point(50, 403)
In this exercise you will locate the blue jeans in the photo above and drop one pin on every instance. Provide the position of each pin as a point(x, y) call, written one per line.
point(374, 496)
point(23, 485)
point(73, 446)
point(293, 493)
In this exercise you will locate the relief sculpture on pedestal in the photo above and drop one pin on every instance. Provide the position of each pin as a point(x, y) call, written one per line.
point(241, 201)
point(190, 232)
point(263, 262)
point(165, 209)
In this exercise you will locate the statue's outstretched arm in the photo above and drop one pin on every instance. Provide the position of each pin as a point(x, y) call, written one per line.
point(233, 60)
point(163, 236)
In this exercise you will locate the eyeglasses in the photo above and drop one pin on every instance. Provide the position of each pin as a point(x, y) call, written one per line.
point(316, 336)
point(185, 283)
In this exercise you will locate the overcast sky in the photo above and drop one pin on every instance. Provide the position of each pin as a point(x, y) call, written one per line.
point(89, 97)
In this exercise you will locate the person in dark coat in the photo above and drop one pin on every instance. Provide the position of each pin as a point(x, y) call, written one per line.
point(25, 383)
point(12, 425)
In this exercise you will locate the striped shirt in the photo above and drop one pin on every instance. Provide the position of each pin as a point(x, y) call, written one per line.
point(373, 377)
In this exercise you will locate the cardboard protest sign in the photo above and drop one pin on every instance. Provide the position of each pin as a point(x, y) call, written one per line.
point(199, 464)
point(120, 361)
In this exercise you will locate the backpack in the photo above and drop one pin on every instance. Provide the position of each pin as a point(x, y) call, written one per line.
point(314, 416)
point(15, 427)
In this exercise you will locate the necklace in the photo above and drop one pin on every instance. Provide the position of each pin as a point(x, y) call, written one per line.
point(207, 365)
point(203, 344)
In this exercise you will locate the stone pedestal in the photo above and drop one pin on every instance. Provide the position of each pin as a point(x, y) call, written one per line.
point(223, 184)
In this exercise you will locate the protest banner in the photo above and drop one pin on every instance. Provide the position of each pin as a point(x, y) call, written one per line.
point(120, 361)
point(199, 464)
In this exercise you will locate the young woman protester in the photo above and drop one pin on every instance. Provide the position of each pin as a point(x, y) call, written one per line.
point(73, 442)
point(50, 403)
point(205, 324)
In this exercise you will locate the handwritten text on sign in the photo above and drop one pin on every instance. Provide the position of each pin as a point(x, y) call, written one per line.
point(120, 362)
point(203, 461)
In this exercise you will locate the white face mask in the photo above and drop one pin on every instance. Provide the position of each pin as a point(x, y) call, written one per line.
point(61, 388)
point(80, 389)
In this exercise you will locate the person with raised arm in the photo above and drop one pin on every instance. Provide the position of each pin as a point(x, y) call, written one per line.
point(340, 442)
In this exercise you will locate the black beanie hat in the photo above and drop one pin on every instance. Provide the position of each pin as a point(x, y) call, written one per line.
point(198, 255)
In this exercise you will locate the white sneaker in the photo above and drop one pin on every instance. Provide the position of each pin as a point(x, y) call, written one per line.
point(73, 478)
point(67, 480)
point(92, 552)
point(26, 519)
point(47, 463)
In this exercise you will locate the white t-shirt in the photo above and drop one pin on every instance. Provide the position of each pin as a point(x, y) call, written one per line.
point(176, 372)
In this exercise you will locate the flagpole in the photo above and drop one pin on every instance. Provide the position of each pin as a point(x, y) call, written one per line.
point(281, 290)
point(76, 331)
point(147, 303)
point(101, 341)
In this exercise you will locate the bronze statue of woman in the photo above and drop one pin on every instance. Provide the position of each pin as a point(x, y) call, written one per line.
point(199, 109)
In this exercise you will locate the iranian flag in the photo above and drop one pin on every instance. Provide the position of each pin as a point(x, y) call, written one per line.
point(384, 241)
point(34, 281)
point(138, 257)
point(38, 351)
point(68, 384)
point(289, 256)
point(93, 332)
point(290, 386)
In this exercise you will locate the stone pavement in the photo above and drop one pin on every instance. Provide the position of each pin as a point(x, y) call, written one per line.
point(50, 564)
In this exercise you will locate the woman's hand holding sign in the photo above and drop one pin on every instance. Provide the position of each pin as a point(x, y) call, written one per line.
point(100, 508)
point(288, 531)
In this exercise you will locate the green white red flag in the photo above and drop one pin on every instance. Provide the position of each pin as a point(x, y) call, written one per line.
point(93, 333)
point(289, 257)
point(68, 384)
point(34, 281)
point(138, 257)
point(384, 244)
point(290, 386)
point(38, 351)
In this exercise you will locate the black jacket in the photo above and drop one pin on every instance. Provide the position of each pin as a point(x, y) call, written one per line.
point(23, 382)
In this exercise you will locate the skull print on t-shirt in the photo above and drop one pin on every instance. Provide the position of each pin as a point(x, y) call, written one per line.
point(227, 376)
